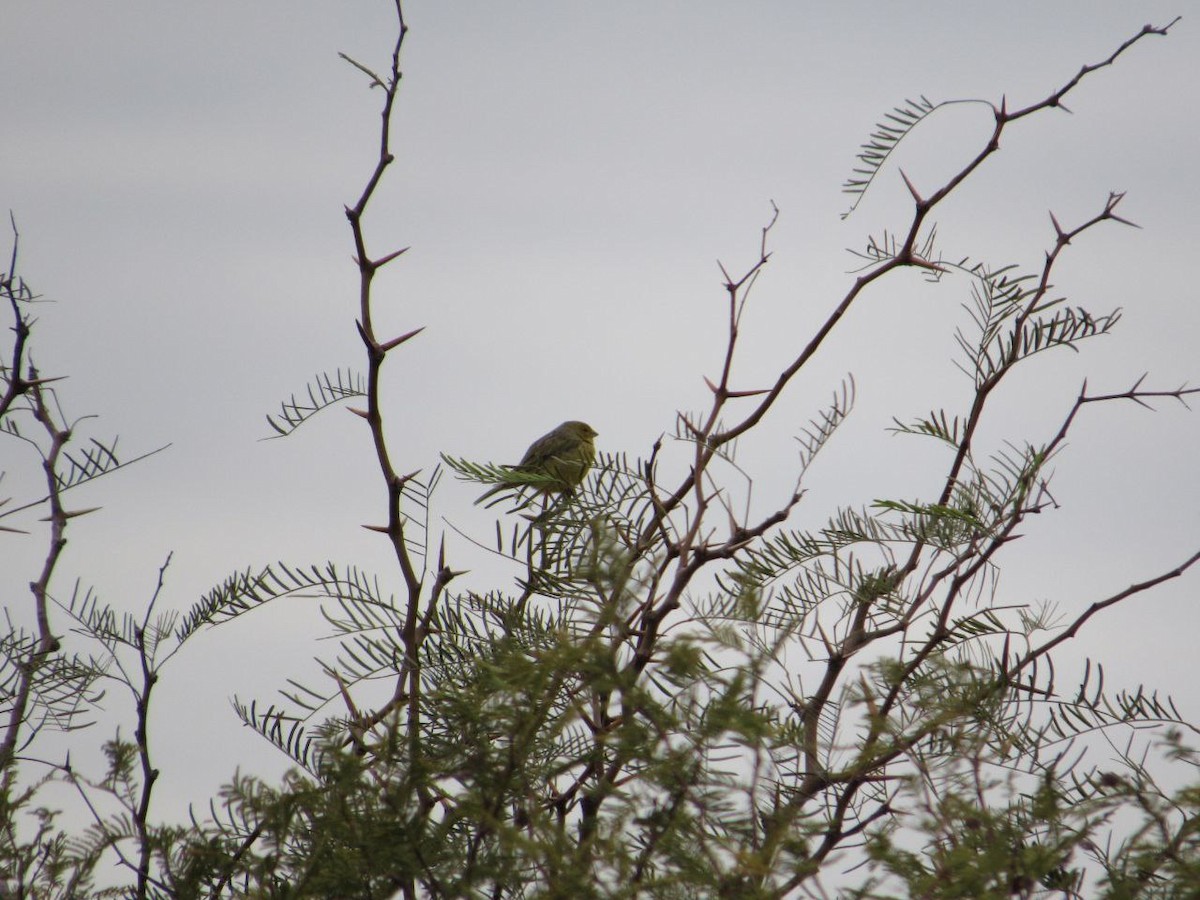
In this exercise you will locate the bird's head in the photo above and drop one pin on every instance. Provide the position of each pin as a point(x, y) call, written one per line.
point(580, 430)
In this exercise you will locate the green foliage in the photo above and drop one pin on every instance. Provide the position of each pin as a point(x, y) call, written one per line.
point(677, 696)
point(322, 392)
point(888, 133)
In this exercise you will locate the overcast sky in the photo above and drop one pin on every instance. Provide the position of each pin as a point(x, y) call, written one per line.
point(567, 177)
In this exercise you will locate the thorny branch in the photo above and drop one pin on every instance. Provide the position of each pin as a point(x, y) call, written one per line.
point(692, 549)
point(58, 434)
point(408, 690)
point(16, 292)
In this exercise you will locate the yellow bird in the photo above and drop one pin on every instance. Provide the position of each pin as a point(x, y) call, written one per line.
point(565, 454)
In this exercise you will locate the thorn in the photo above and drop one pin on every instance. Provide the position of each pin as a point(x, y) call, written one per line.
point(35, 382)
point(692, 429)
point(1064, 108)
point(74, 513)
point(757, 393)
point(384, 260)
point(712, 387)
point(921, 263)
point(400, 480)
point(825, 639)
point(359, 412)
point(1057, 228)
point(396, 342)
point(911, 188)
point(382, 529)
point(346, 698)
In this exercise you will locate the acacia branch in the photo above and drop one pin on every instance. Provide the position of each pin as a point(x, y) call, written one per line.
point(1077, 625)
point(906, 254)
point(46, 644)
point(16, 292)
point(1035, 304)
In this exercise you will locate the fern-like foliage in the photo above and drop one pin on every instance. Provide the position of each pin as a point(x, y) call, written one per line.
point(1065, 327)
point(63, 691)
point(887, 135)
point(87, 464)
point(323, 391)
point(1093, 708)
point(947, 430)
point(246, 590)
point(1013, 320)
point(417, 493)
point(492, 473)
point(564, 540)
point(816, 434)
point(102, 623)
point(81, 466)
point(282, 729)
point(786, 550)
point(887, 246)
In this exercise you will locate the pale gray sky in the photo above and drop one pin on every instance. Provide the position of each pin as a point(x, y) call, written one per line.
point(567, 175)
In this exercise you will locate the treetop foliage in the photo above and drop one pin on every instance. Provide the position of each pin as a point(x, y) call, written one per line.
point(680, 694)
